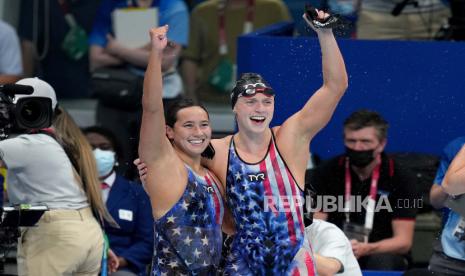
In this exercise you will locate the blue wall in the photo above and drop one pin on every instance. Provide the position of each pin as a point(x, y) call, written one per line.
point(419, 87)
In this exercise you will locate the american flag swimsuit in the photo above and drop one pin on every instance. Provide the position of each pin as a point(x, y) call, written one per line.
point(188, 238)
point(267, 206)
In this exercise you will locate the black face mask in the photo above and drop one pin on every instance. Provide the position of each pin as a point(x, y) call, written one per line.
point(360, 158)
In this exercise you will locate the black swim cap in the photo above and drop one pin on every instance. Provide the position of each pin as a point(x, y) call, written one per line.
point(248, 85)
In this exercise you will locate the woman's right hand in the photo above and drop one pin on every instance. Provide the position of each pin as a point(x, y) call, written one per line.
point(158, 37)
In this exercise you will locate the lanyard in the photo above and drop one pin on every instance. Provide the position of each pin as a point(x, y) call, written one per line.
point(248, 24)
point(66, 10)
point(370, 212)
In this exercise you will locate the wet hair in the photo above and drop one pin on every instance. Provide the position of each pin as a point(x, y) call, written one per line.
point(171, 118)
point(246, 78)
point(109, 135)
point(171, 114)
point(366, 118)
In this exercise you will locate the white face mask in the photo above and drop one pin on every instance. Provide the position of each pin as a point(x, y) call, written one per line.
point(105, 161)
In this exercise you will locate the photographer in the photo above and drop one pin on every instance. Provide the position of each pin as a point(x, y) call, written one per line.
point(55, 167)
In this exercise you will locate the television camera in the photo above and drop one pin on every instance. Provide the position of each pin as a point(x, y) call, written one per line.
point(11, 219)
point(24, 114)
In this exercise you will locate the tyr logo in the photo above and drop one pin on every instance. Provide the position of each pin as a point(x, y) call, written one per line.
point(257, 177)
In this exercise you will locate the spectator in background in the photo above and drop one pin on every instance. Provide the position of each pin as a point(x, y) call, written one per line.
point(208, 66)
point(449, 250)
point(418, 20)
point(128, 204)
point(454, 181)
point(449, 254)
point(106, 51)
point(11, 68)
point(332, 250)
point(388, 235)
point(43, 29)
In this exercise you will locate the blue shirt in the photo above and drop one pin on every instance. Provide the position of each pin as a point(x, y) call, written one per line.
point(10, 57)
point(171, 12)
point(452, 245)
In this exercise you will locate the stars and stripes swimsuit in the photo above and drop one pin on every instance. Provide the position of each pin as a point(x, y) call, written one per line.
point(188, 237)
point(267, 206)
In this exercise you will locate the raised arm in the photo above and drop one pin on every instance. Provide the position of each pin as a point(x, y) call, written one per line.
point(295, 134)
point(454, 181)
point(153, 144)
point(166, 175)
point(320, 107)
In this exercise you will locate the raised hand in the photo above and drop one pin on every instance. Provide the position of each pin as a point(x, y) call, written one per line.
point(158, 37)
point(318, 19)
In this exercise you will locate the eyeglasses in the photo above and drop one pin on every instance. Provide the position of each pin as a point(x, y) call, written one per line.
point(253, 88)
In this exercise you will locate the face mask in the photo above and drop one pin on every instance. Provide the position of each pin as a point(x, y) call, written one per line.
point(105, 161)
point(360, 158)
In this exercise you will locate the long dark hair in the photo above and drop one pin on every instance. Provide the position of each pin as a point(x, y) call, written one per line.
point(171, 113)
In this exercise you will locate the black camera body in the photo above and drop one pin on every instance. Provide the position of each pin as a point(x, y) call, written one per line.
point(27, 114)
point(11, 219)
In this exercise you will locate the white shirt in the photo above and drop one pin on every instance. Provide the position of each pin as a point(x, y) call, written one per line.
point(329, 241)
point(40, 173)
point(109, 180)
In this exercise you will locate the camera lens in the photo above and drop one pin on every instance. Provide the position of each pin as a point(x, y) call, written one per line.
point(33, 113)
point(30, 111)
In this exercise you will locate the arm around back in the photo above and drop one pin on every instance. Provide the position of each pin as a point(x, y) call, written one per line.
point(319, 109)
